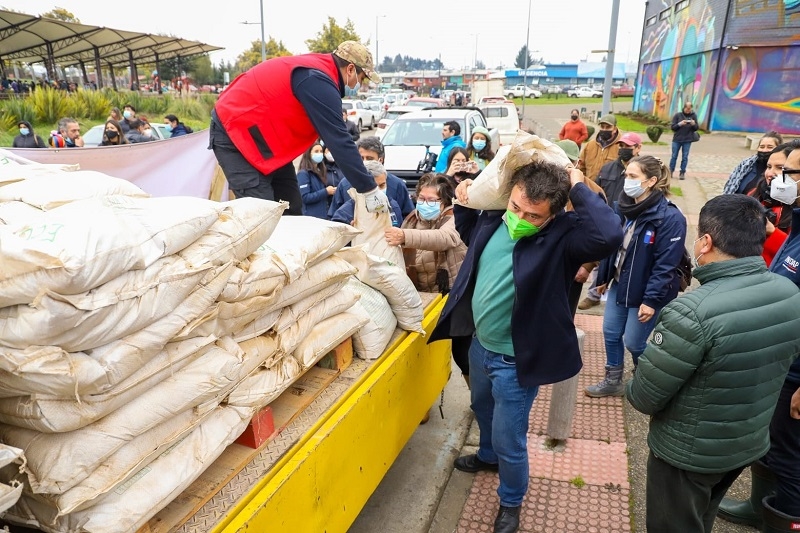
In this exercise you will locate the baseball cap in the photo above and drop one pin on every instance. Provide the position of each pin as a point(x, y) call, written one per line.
point(608, 119)
point(570, 148)
point(631, 139)
point(357, 54)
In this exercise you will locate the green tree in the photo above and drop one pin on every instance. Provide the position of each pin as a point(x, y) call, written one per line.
point(252, 56)
point(202, 71)
point(332, 35)
point(522, 56)
point(59, 13)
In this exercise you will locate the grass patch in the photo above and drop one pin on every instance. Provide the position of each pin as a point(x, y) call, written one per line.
point(659, 143)
point(676, 191)
point(550, 99)
point(631, 124)
point(577, 482)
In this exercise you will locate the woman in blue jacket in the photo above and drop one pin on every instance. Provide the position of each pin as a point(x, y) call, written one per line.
point(642, 277)
point(313, 180)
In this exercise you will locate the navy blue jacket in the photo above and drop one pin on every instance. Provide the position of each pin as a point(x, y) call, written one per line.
point(650, 270)
point(787, 263)
point(314, 193)
point(346, 213)
point(335, 175)
point(179, 130)
point(544, 266)
point(395, 190)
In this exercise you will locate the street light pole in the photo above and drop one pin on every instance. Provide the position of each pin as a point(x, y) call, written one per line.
point(263, 42)
point(377, 56)
point(612, 41)
point(527, 56)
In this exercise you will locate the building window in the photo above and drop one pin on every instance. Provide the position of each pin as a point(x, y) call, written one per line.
point(573, 81)
point(680, 6)
point(664, 14)
point(651, 21)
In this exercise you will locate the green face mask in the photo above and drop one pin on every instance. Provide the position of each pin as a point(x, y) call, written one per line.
point(518, 228)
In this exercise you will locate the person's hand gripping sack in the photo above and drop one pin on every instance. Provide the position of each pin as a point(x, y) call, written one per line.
point(376, 201)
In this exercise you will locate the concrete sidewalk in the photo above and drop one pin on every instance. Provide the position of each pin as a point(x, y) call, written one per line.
point(596, 483)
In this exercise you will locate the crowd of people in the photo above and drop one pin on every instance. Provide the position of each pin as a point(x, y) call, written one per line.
point(121, 127)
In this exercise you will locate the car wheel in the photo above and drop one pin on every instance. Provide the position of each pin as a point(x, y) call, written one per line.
point(371, 123)
point(510, 96)
point(573, 96)
point(360, 125)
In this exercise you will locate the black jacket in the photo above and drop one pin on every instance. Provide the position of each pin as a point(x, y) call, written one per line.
point(685, 133)
point(612, 180)
point(543, 333)
point(352, 129)
point(30, 140)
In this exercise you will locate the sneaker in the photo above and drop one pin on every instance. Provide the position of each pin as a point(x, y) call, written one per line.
point(682, 176)
point(587, 303)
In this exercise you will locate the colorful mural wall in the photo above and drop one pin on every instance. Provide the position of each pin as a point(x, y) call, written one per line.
point(753, 89)
point(758, 90)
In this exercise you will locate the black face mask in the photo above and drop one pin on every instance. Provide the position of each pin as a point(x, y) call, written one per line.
point(604, 135)
point(574, 117)
point(625, 154)
point(763, 157)
point(111, 134)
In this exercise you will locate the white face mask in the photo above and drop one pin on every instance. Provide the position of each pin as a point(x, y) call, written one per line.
point(783, 189)
point(696, 260)
point(633, 188)
point(329, 156)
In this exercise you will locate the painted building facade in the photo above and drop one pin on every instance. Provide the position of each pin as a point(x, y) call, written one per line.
point(737, 61)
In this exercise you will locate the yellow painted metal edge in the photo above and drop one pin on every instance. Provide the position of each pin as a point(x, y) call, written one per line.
point(322, 483)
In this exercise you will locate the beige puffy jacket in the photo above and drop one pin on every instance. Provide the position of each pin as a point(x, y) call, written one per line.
point(430, 245)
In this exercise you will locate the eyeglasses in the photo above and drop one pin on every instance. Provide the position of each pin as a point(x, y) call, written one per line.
point(787, 172)
point(429, 203)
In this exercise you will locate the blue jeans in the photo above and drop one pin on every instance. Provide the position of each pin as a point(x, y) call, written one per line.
point(502, 408)
point(684, 147)
point(622, 324)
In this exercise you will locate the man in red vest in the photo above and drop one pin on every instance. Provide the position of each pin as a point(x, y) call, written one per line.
point(276, 110)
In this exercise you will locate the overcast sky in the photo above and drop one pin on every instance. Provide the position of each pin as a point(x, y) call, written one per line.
point(561, 31)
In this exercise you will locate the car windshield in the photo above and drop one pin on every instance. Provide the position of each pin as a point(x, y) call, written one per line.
point(420, 103)
point(392, 115)
point(417, 132)
point(347, 105)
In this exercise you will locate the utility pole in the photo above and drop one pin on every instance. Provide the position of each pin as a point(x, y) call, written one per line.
point(612, 42)
point(527, 57)
point(263, 42)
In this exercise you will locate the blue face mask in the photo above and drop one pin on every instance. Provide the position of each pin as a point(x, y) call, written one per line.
point(317, 157)
point(351, 92)
point(169, 128)
point(479, 144)
point(24, 131)
point(429, 212)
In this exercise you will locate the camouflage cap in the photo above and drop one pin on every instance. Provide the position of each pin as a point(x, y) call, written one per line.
point(357, 54)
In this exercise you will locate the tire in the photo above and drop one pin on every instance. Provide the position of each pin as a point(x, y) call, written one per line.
point(360, 125)
point(573, 96)
point(510, 96)
point(371, 123)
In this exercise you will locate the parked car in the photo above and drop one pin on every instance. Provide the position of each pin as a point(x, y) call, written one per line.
point(421, 101)
point(360, 114)
point(585, 92)
point(504, 117)
point(412, 136)
point(94, 136)
point(391, 115)
point(622, 90)
point(518, 90)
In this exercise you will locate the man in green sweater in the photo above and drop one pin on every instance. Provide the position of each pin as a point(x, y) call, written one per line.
point(712, 373)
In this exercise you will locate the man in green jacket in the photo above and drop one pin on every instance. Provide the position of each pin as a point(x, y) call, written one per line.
point(712, 373)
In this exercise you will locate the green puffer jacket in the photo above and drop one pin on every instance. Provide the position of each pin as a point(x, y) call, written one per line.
point(711, 374)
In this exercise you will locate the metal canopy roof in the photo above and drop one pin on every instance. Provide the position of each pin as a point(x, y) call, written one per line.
point(33, 39)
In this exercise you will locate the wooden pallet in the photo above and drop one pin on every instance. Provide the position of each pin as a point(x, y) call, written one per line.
point(287, 407)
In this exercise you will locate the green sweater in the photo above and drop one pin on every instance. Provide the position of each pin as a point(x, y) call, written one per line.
point(493, 299)
point(711, 375)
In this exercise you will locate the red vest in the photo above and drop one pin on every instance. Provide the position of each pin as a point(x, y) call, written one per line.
point(263, 118)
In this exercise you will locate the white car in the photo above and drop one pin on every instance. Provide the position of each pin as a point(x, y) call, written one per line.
point(391, 115)
point(518, 90)
point(584, 92)
point(94, 136)
point(504, 117)
point(360, 114)
point(413, 136)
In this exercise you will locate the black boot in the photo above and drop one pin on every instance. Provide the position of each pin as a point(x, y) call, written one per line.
point(748, 512)
point(507, 520)
point(776, 521)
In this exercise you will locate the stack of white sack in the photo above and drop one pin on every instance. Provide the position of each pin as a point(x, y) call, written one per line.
point(94, 381)
point(10, 493)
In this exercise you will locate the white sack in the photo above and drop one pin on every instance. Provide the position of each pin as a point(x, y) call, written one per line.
point(126, 304)
point(48, 191)
point(244, 224)
point(393, 282)
point(17, 212)
point(68, 252)
point(298, 320)
point(10, 493)
point(326, 336)
point(265, 385)
point(490, 189)
point(51, 371)
point(57, 462)
point(133, 503)
point(373, 226)
point(371, 340)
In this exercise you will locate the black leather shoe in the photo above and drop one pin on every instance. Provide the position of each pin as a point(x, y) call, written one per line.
point(471, 463)
point(507, 520)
